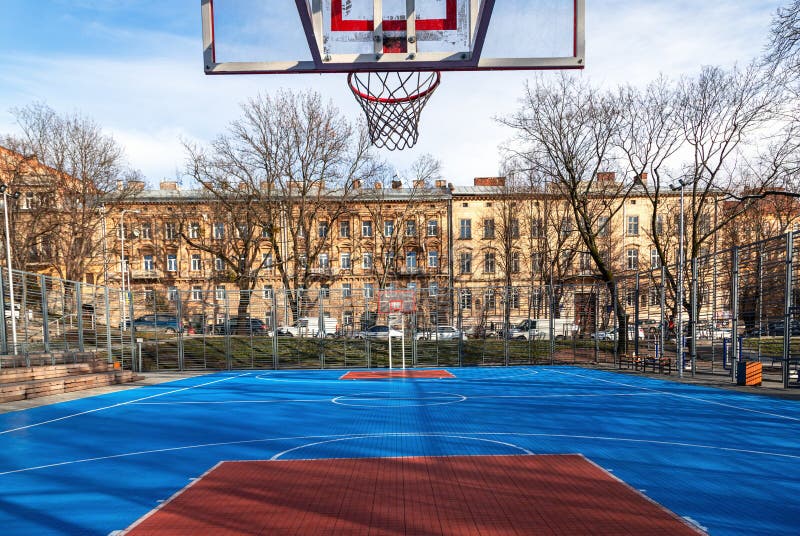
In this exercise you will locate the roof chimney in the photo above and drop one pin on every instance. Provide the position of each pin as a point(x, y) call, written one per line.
point(137, 186)
point(396, 185)
point(440, 183)
point(490, 181)
point(168, 185)
point(356, 184)
point(419, 184)
point(378, 186)
point(606, 177)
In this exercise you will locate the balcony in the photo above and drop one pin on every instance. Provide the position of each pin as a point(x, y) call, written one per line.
point(146, 274)
point(408, 271)
point(321, 272)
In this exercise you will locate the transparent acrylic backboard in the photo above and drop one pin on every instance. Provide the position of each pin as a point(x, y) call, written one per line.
point(278, 36)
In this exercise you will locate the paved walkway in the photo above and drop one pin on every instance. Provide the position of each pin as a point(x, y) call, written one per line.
point(150, 378)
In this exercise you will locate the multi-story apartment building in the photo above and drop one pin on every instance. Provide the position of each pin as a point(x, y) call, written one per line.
point(496, 245)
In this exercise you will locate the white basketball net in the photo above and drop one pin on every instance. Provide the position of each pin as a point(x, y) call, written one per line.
point(393, 103)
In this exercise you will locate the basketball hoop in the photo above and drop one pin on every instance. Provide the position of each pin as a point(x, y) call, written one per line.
point(393, 103)
point(395, 306)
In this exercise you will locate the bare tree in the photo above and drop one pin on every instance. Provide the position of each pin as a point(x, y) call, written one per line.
point(565, 132)
point(784, 45)
point(286, 170)
point(397, 209)
point(72, 170)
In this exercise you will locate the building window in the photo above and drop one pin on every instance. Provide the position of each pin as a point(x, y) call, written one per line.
point(266, 261)
point(513, 298)
point(465, 232)
point(655, 260)
point(368, 290)
point(197, 293)
point(220, 292)
point(322, 229)
point(466, 263)
point(366, 261)
point(411, 228)
point(197, 263)
point(344, 229)
point(172, 293)
point(514, 268)
point(433, 228)
point(265, 232)
point(537, 227)
point(488, 229)
point(465, 298)
point(566, 227)
point(324, 261)
point(633, 259)
point(514, 228)
point(488, 263)
point(347, 318)
point(585, 261)
point(219, 264)
point(302, 261)
point(194, 230)
point(172, 263)
point(659, 224)
point(325, 291)
point(147, 263)
point(147, 230)
point(388, 228)
point(219, 231)
point(366, 228)
point(169, 231)
point(28, 201)
point(602, 226)
point(267, 292)
point(388, 259)
point(347, 290)
point(633, 225)
point(489, 300)
point(433, 289)
point(433, 258)
point(344, 261)
point(411, 260)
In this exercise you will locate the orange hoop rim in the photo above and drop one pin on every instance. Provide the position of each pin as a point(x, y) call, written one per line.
point(389, 100)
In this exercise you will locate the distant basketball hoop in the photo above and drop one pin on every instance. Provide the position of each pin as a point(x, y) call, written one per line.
point(393, 302)
point(393, 103)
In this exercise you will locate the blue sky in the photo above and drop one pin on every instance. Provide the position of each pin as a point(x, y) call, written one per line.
point(135, 67)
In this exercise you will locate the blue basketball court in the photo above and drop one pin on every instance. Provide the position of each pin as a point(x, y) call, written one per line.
point(725, 461)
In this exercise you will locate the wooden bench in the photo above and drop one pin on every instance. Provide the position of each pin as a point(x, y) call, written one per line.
point(645, 362)
point(52, 386)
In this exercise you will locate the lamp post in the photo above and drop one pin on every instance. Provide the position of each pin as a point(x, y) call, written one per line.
point(124, 266)
point(680, 185)
point(13, 310)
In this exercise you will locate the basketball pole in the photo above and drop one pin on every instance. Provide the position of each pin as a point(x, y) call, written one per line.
point(389, 338)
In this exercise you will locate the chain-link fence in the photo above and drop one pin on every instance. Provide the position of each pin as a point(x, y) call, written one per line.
point(49, 320)
point(738, 305)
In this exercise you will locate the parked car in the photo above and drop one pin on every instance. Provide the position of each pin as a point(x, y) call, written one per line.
point(441, 333)
point(240, 326)
point(774, 329)
point(612, 334)
point(310, 327)
point(539, 328)
point(378, 332)
point(158, 322)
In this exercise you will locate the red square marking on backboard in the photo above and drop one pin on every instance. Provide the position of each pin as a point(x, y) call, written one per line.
point(340, 24)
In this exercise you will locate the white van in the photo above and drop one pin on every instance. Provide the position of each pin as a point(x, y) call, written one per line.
point(309, 326)
point(539, 329)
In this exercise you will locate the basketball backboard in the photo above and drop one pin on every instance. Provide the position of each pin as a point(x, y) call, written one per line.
point(317, 36)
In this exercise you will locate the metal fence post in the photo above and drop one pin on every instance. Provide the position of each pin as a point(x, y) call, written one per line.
point(45, 327)
point(108, 323)
point(693, 318)
point(274, 327)
point(662, 333)
point(3, 339)
point(787, 308)
point(79, 313)
point(636, 316)
point(734, 312)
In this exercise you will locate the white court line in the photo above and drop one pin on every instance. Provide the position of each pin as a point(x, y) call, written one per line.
point(212, 402)
point(407, 434)
point(118, 405)
point(679, 395)
point(351, 438)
